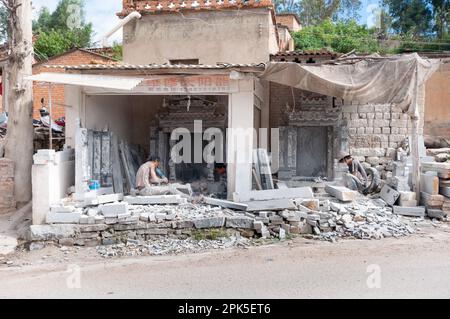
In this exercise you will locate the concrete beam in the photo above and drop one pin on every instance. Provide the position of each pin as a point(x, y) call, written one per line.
point(278, 204)
point(289, 193)
point(63, 218)
point(342, 193)
point(225, 203)
point(410, 211)
point(153, 200)
point(240, 141)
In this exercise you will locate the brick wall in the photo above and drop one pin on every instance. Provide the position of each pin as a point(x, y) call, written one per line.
point(40, 90)
point(7, 203)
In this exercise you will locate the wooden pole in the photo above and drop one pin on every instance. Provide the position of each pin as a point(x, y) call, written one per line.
point(415, 140)
point(50, 111)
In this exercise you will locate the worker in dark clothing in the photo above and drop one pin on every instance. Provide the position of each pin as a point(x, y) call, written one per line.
point(356, 169)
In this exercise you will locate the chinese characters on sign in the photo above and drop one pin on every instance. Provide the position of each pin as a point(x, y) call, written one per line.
point(188, 84)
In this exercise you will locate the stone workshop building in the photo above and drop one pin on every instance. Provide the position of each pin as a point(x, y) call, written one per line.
point(203, 65)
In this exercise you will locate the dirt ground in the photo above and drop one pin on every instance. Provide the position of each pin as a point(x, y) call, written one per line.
point(417, 266)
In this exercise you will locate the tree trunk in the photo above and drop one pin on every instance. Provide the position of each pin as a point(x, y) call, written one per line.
point(19, 138)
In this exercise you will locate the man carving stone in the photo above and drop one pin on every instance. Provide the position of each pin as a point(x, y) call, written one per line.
point(150, 180)
point(357, 177)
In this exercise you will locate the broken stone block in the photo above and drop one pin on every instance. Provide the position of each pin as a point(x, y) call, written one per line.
point(325, 205)
point(62, 209)
point(404, 196)
point(444, 191)
point(52, 232)
point(239, 222)
point(93, 228)
point(92, 212)
point(274, 205)
point(436, 213)
point(431, 200)
point(313, 223)
point(409, 211)
point(276, 220)
point(265, 233)
point(160, 216)
point(408, 203)
point(258, 225)
point(84, 219)
point(66, 241)
point(335, 207)
point(342, 193)
point(407, 199)
point(171, 216)
point(305, 229)
point(185, 224)
point(114, 209)
point(93, 198)
point(153, 200)
point(263, 214)
point(63, 218)
point(429, 183)
point(282, 234)
point(111, 220)
point(225, 203)
point(389, 195)
point(209, 222)
point(99, 219)
point(312, 204)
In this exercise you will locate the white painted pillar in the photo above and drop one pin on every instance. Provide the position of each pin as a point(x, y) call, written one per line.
point(240, 142)
point(73, 106)
point(51, 180)
point(82, 169)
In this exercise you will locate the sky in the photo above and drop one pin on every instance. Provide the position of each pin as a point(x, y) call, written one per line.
point(102, 14)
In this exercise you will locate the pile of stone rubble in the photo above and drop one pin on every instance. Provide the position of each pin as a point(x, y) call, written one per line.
point(172, 246)
point(130, 226)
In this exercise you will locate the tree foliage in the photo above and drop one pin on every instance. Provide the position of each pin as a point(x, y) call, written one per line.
point(63, 29)
point(342, 37)
point(3, 24)
point(117, 49)
point(419, 18)
point(441, 15)
point(313, 12)
point(410, 17)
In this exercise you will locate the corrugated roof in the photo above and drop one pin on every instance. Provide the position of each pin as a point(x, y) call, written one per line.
point(118, 66)
point(168, 6)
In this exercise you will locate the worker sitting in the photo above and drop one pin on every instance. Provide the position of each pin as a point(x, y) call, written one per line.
point(150, 180)
point(357, 177)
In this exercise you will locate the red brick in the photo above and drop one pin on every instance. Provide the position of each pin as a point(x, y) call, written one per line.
point(40, 90)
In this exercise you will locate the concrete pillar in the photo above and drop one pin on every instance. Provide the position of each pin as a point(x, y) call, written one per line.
point(82, 169)
point(240, 142)
point(265, 107)
point(51, 181)
point(73, 101)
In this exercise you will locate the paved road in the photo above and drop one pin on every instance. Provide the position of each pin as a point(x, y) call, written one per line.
point(417, 266)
